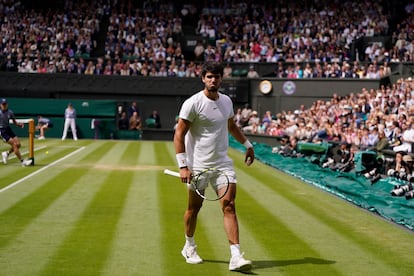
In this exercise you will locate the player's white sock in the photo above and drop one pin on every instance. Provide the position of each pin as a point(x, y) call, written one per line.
point(235, 249)
point(189, 241)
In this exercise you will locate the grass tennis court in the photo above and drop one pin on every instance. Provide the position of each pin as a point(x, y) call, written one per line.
point(104, 207)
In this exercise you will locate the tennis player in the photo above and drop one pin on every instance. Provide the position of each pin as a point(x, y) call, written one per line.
point(8, 135)
point(201, 142)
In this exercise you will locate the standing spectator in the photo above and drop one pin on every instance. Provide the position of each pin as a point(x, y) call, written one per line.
point(70, 120)
point(133, 108)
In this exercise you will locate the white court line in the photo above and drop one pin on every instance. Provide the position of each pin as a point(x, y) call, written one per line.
point(40, 170)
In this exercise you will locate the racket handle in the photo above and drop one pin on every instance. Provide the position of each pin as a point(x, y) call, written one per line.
point(170, 172)
point(176, 174)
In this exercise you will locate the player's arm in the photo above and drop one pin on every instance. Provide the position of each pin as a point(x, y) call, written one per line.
point(21, 125)
point(236, 132)
point(179, 138)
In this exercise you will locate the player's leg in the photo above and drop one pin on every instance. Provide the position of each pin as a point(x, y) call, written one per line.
point(190, 221)
point(15, 143)
point(231, 226)
point(229, 214)
point(5, 137)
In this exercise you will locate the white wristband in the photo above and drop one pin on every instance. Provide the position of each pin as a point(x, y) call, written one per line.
point(181, 159)
point(247, 144)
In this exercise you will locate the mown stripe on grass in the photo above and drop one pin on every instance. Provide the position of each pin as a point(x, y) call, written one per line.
point(13, 171)
point(325, 217)
point(19, 215)
point(89, 244)
point(39, 227)
point(130, 151)
point(31, 250)
point(171, 199)
point(11, 196)
point(135, 247)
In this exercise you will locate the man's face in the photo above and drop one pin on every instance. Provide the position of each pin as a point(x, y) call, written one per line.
point(3, 106)
point(212, 81)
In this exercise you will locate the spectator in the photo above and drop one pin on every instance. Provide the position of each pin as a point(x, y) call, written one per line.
point(252, 73)
point(407, 139)
point(253, 123)
point(155, 116)
point(123, 122)
point(135, 122)
point(132, 108)
point(227, 72)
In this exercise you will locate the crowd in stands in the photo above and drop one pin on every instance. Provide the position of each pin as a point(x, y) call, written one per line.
point(377, 120)
point(308, 38)
point(358, 119)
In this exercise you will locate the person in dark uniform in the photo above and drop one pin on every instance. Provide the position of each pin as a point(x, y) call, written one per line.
point(8, 135)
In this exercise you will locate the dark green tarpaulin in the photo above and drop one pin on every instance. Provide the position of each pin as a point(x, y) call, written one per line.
point(349, 186)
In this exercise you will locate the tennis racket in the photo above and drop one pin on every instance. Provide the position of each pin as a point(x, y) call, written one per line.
point(200, 183)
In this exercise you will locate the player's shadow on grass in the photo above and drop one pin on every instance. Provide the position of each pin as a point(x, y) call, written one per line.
point(274, 263)
point(305, 260)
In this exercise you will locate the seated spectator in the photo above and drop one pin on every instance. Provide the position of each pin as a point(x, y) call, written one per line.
point(381, 144)
point(252, 124)
point(407, 139)
point(346, 163)
point(227, 71)
point(123, 122)
point(245, 115)
point(252, 73)
point(397, 168)
point(135, 122)
point(155, 116)
point(288, 146)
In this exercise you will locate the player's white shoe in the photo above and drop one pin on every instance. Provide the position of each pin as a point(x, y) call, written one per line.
point(238, 263)
point(190, 254)
point(5, 156)
point(26, 162)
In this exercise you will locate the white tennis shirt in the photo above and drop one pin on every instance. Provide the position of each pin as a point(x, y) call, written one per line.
point(206, 141)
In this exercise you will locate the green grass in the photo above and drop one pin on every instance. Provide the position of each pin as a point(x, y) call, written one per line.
point(103, 207)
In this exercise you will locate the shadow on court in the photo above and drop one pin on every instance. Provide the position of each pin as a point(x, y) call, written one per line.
point(273, 263)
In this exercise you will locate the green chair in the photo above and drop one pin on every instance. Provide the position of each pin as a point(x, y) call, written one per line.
point(150, 123)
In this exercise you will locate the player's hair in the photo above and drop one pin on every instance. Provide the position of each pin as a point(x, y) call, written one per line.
point(212, 67)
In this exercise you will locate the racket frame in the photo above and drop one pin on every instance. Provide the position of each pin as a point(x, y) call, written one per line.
point(194, 185)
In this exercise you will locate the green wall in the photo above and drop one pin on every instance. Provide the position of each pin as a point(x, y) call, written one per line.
point(103, 111)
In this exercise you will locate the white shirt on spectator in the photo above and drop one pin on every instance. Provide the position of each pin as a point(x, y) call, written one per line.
point(407, 140)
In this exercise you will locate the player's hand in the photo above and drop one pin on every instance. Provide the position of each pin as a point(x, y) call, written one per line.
point(249, 159)
point(185, 175)
point(21, 125)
